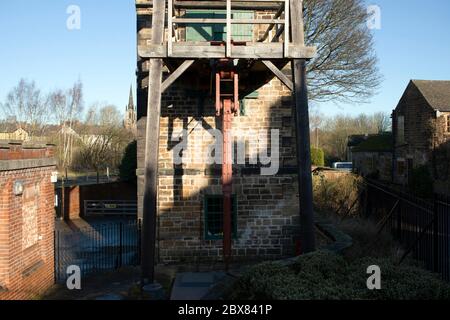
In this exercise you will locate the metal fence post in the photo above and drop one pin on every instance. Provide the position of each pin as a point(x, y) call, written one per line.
point(120, 243)
point(399, 221)
point(435, 234)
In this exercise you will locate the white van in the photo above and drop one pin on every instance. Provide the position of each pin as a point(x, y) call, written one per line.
point(344, 166)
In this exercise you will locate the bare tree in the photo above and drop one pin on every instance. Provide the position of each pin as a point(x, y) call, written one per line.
point(67, 107)
point(336, 130)
point(345, 68)
point(26, 106)
point(104, 140)
point(382, 121)
point(109, 115)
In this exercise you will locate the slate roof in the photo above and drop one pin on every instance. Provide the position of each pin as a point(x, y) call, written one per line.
point(376, 143)
point(437, 93)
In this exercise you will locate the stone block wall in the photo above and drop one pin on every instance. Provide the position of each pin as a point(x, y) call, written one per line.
point(426, 140)
point(27, 218)
point(267, 206)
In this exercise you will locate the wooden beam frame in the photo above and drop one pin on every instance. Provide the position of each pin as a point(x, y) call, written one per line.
point(150, 209)
point(204, 50)
point(186, 21)
point(216, 4)
point(176, 74)
point(279, 74)
point(303, 143)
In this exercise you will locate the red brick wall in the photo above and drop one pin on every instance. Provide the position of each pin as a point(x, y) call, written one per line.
point(26, 222)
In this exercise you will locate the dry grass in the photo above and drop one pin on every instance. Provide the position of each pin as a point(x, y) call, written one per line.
point(337, 193)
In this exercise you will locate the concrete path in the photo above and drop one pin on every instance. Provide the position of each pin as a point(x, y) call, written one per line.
point(194, 286)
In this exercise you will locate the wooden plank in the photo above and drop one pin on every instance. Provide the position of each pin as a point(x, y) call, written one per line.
point(216, 4)
point(229, 30)
point(176, 74)
point(170, 26)
point(287, 39)
point(279, 74)
point(204, 50)
point(150, 209)
point(225, 21)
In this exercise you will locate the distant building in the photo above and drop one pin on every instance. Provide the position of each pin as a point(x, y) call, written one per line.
point(20, 134)
point(130, 120)
point(421, 127)
point(372, 156)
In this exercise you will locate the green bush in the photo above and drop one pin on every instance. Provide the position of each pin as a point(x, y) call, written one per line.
point(324, 275)
point(128, 165)
point(317, 157)
point(421, 182)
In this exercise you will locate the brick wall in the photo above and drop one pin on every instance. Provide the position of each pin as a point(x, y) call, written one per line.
point(70, 203)
point(26, 220)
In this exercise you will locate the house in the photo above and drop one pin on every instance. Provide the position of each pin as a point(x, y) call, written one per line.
point(421, 127)
point(19, 134)
point(352, 142)
point(191, 192)
point(372, 157)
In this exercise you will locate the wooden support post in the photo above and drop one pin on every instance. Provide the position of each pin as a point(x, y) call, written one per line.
point(228, 45)
point(307, 230)
point(152, 151)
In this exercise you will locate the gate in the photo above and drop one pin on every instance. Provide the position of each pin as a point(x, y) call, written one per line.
point(98, 248)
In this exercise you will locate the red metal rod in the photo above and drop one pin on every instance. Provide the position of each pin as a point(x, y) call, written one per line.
point(227, 176)
point(236, 94)
point(218, 99)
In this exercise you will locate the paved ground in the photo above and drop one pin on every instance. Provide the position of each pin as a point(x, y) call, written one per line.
point(194, 286)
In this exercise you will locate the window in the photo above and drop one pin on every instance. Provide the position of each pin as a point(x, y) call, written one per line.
point(400, 129)
point(401, 167)
point(217, 32)
point(213, 208)
point(448, 123)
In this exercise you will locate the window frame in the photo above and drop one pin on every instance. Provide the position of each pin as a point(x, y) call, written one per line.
point(206, 219)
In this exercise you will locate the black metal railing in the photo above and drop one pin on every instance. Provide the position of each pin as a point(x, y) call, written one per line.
point(98, 248)
point(420, 225)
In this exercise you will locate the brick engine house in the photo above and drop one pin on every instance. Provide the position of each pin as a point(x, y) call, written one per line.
point(233, 91)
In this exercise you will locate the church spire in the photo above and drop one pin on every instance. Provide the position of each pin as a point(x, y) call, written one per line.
point(130, 100)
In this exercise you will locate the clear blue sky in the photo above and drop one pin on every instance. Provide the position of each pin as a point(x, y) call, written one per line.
point(414, 42)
